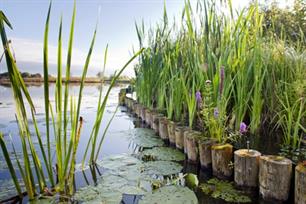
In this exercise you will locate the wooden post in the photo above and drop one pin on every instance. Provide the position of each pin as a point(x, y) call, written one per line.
point(147, 116)
point(137, 109)
point(205, 152)
point(300, 184)
point(222, 155)
point(121, 97)
point(126, 99)
point(192, 146)
point(179, 137)
point(163, 128)
point(171, 132)
point(155, 122)
point(143, 113)
point(151, 118)
point(246, 163)
point(133, 103)
point(186, 133)
point(274, 177)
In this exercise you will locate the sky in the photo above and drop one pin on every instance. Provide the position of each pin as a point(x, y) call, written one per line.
point(116, 27)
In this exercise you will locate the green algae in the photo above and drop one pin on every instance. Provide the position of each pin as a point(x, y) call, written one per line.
point(224, 190)
point(162, 153)
point(170, 195)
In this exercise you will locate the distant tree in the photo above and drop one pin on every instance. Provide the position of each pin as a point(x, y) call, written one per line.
point(288, 23)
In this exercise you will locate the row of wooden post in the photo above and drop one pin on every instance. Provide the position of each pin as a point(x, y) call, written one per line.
point(271, 174)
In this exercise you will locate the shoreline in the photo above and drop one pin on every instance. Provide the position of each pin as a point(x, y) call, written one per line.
point(73, 80)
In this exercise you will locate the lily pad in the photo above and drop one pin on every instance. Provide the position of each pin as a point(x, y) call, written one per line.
point(224, 190)
point(162, 153)
point(109, 190)
point(162, 168)
point(170, 195)
point(115, 162)
point(144, 137)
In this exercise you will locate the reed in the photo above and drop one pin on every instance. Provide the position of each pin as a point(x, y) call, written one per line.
point(261, 70)
point(66, 128)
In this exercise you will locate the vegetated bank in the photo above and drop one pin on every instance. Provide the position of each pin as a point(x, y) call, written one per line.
point(222, 80)
point(37, 79)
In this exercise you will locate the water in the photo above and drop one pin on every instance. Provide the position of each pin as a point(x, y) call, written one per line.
point(115, 143)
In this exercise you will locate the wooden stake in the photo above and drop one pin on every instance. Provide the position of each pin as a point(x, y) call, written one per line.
point(274, 177)
point(205, 152)
point(246, 164)
point(222, 155)
point(300, 184)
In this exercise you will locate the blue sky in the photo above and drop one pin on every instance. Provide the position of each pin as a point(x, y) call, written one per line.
point(116, 27)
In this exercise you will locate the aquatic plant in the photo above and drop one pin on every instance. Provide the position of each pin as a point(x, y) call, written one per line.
point(224, 190)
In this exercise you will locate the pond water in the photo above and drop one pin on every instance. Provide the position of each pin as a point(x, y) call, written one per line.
point(122, 174)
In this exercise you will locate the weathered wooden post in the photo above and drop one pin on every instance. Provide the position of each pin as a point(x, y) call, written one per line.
point(171, 132)
point(192, 146)
point(147, 116)
point(205, 152)
point(274, 177)
point(155, 122)
point(186, 133)
point(137, 110)
point(300, 183)
point(133, 105)
point(246, 165)
point(143, 113)
point(179, 137)
point(222, 155)
point(121, 97)
point(163, 128)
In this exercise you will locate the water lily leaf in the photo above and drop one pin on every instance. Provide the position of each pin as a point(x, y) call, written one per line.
point(144, 137)
point(162, 168)
point(162, 153)
point(170, 195)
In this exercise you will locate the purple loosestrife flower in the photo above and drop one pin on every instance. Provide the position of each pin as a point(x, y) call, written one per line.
point(216, 112)
point(243, 128)
point(198, 97)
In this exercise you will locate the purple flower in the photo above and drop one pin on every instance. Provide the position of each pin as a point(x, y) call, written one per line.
point(216, 112)
point(243, 128)
point(198, 97)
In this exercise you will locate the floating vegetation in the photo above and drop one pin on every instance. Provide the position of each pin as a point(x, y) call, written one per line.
point(145, 138)
point(162, 168)
point(125, 174)
point(162, 153)
point(224, 190)
point(170, 195)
